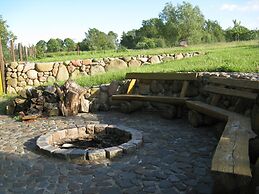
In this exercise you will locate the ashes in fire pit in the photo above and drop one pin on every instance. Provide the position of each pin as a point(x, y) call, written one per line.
point(93, 142)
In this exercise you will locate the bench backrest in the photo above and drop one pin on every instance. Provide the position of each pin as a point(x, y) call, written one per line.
point(162, 76)
point(185, 77)
point(244, 89)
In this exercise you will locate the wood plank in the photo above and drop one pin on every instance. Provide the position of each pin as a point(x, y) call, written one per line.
point(230, 92)
point(209, 110)
point(240, 83)
point(131, 86)
point(164, 99)
point(162, 76)
point(215, 99)
point(184, 89)
point(231, 155)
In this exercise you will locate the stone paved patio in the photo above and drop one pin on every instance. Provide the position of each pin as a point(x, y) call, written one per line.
point(175, 158)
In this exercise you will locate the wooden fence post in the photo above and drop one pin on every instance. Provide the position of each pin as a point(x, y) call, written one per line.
point(25, 49)
point(12, 51)
point(20, 51)
point(78, 49)
point(2, 66)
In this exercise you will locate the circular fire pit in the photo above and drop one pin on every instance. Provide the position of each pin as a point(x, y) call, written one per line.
point(93, 142)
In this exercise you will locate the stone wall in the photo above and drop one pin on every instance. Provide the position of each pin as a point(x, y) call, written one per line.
point(23, 75)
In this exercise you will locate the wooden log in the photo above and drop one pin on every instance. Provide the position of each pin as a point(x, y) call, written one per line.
point(255, 117)
point(195, 118)
point(20, 48)
point(2, 68)
point(12, 50)
point(128, 107)
point(184, 89)
point(70, 105)
point(25, 50)
point(215, 99)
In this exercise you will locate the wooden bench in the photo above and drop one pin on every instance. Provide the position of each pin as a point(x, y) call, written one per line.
point(231, 157)
point(172, 100)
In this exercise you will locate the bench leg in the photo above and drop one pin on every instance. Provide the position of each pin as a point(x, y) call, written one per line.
point(128, 107)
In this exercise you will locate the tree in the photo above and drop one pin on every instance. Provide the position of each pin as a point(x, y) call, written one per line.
point(6, 36)
point(113, 38)
point(41, 48)
point(60, 44)
point(53, 45)
point(97, 40)
point(129, 39)
point(239, 32)
point(213, 32)
point(69, 44)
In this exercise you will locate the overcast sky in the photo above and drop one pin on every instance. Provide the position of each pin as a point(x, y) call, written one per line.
point(33, 20)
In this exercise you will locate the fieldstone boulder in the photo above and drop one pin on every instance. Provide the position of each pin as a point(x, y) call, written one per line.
point(76, 63)
point(51, 79)
point(11, 90)
point(36, 82)
point(97, 69)
point(44, 67)
point(62, 74)
point(75, 74)
point(32, 74)
point(87, 61)
point(28, 66)
point(178, 56)
point(71, 68)
point(20, 67)
point(134, 63)
point(13, 65)
point(116, 64)
point(154, 59)
point(12, 82)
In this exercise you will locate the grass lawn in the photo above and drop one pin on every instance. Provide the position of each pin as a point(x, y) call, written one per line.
point(228, 57)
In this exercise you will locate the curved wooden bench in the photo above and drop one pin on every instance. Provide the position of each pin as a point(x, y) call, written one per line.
point(232, 154)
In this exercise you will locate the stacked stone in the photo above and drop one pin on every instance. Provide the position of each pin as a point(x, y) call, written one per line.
point(23, 75)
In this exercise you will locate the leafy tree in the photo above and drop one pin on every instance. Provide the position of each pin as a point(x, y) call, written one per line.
point(69, 44)
point(60, 44)
point(113, 38)
point(213, 32)
point(53, 45)
point(129, 39)
point(6, 36)
point(41, 48)
point(239, 32)
point(183, 22)
point(97, 40)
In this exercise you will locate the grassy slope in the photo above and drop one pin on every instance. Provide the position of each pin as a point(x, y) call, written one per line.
point(63, 56)
point(233, 57)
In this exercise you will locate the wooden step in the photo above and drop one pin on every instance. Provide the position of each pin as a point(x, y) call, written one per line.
point(164, 99)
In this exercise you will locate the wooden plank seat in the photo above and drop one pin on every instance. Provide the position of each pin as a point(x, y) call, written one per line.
point(172, 100)
point(163, 99)
point(230, 163)
point(232, 154)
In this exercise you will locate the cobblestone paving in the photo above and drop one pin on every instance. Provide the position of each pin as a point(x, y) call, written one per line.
point(175, 158)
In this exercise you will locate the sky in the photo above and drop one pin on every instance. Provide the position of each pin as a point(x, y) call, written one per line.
point(34, 20)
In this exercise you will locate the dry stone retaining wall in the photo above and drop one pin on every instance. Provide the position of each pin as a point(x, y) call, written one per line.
point(27, 74)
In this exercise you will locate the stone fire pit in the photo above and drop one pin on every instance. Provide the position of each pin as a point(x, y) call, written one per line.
point(93, 142)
